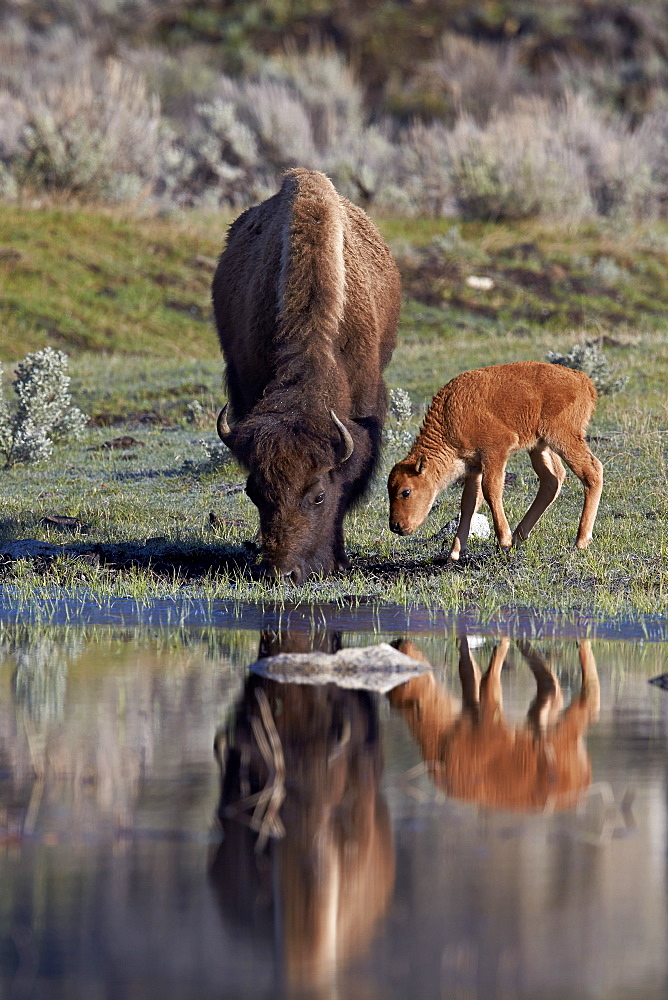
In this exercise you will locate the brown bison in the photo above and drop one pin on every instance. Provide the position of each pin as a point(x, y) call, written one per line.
point(472, 753)
point(306, 857)
point(475, 423)
point(306, 300)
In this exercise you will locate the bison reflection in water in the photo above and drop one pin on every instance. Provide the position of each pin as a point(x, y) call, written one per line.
point(472, 753)
point(306, 299)
point(306, 856)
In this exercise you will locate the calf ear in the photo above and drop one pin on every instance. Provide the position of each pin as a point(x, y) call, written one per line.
point(421, 464)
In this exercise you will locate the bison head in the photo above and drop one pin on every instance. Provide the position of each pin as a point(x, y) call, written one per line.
point(412, 492)
point(299, 475)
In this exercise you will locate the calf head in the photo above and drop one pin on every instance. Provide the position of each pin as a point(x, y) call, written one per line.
point(298, 478)
point(412, 491)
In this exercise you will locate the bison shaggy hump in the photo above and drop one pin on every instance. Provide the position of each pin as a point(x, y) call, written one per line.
point(306, 299)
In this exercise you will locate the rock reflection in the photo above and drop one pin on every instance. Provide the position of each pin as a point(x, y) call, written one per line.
point(472, 753)
point(306, 859)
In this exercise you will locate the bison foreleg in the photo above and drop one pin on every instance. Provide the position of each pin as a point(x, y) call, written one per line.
point(341, 560)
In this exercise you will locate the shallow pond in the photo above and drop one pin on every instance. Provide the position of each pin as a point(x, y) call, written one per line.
point(503, 838)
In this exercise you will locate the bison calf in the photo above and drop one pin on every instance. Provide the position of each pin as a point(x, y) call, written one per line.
point(472, 426)
point(306, 298)
point(474, 754)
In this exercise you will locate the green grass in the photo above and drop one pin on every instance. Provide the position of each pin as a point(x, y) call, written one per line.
point(145, 526)
point(100, 281)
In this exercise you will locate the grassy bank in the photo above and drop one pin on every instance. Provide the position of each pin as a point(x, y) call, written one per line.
point(153, 514)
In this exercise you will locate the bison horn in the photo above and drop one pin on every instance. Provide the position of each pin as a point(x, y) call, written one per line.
point(346, 435)
point(222, 426)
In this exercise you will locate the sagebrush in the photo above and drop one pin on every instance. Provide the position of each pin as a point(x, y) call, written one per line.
point(590, 359)
point(43, 412)
point(467, 131)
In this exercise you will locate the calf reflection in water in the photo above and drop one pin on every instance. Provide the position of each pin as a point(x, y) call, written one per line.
point(472, 753)
point(306, 858)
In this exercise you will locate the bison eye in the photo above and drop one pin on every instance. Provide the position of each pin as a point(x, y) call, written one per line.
point(405, 493)
point(319, 498)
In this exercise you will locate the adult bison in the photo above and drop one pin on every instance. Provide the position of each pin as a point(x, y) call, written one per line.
point(306, 859)
point(306, 299)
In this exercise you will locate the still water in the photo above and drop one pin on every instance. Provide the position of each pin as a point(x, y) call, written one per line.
point(174, 825)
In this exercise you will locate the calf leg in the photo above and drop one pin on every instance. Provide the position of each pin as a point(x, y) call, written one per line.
point(586, 706)
point(491, 698)
point(471, 501)
point(493, 473)
point(590, 693)
point(551, 474)
point(469, 676)
point(549, 699)
point(589, 471)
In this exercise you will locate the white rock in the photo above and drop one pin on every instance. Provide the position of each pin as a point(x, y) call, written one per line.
point(474, 641)
point(480, 527)
point(480, 282)
point(372, 668)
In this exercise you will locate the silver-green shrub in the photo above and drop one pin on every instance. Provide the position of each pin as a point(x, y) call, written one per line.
point(398, 433)
point(618, 161)
point(195, 413)
point(520, 164)
point(215, 158)
point(424, 174)
point(589, 358)
point(8, 186)
point(43, 412)
point(72, 121)
point(296, 111)
point(566, 159)
point(93, 133)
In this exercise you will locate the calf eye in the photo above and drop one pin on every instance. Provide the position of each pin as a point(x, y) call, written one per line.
point(320, 497)
point(405, 493)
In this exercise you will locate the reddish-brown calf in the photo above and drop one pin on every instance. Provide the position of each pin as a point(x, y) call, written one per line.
point(475, 423)
point(474, 754)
